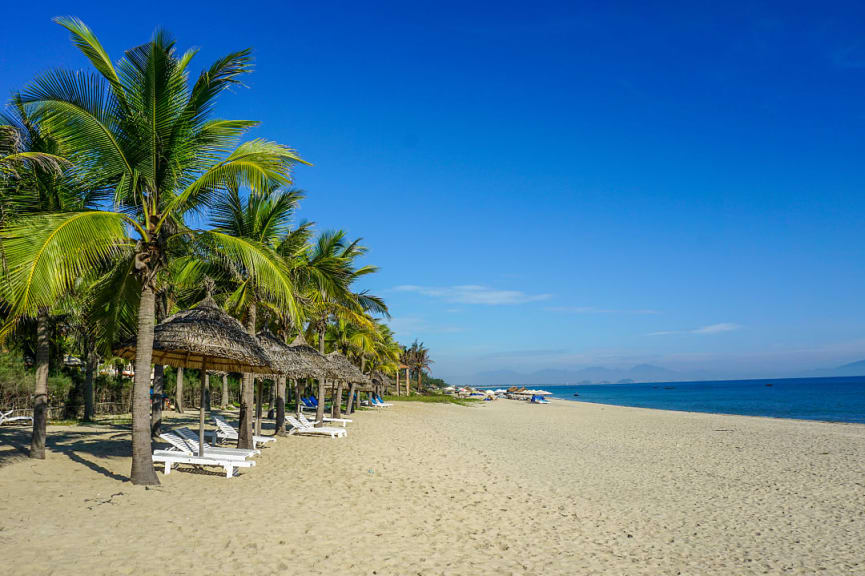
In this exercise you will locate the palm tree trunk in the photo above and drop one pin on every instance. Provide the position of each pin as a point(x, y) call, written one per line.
point(224, 397)
point(178, 400)
point(298, 392)
point(419, 381)
point(205, 382)
point(156, 401)
point(91, 363)
point(258, 407)
point(280, 406)
point(204, 405)
point(247, 391)
point(142, 457)
point(397, 382)
point(336, 405)
point(40, 392)
point(350, 399)
point(319, 412)
point(407, 383)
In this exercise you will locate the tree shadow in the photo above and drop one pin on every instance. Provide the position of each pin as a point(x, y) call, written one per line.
point(14, 445)
point(96, 467)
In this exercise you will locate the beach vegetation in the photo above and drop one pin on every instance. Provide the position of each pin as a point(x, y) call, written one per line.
point(435, 399)
point(122, 195)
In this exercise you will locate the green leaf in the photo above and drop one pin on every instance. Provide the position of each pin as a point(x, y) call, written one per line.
point(46, 254)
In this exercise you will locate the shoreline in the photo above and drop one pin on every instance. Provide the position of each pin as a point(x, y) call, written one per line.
point(706, 412)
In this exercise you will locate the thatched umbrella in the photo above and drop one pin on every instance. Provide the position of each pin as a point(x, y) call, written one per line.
point(203, 337)
point(345, 371)
point(307, 362)
point(381, 378)
point(284, 363)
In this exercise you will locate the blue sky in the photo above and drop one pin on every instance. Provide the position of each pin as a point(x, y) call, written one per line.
point(559, 184)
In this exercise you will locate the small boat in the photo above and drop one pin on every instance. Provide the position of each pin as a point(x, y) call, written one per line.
point(769, 385)
point(576, 393)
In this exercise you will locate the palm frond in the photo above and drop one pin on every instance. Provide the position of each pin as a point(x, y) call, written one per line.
point(257, 165)
point(259, 262)
point(46, 254)
point(89, 45)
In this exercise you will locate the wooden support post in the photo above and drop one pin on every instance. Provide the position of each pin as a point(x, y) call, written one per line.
point(204, 382)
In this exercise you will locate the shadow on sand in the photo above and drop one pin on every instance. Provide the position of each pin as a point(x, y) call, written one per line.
point(100, 440)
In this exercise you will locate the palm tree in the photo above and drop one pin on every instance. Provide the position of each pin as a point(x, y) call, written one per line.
point(262, 219)
point(352, 340)
point(34, 182)
point(419, 360)
point(324, 300)
point(320, 274)
point(20, 146)
point(406, 360)
point(148, 137)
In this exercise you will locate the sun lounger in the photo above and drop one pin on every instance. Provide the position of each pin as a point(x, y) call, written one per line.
point(228, 432)
point(298, 428)
point(181, 444)
point(377, 402)
point(191, 439)
point(181, 453)
point(311, 404)
point(172, 458)
point(7, 418)
point(306, 422)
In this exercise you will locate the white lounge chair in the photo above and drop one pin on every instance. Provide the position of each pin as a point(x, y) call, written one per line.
point(228, 432)
point(378, 404)
point(180, 444)
point(306, 422)
point(298, 428)
point(180, 453)
point(191, 438)
point(7, 418)
point(172, 458)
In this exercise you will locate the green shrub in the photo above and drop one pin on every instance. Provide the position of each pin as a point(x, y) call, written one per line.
point(434, 399)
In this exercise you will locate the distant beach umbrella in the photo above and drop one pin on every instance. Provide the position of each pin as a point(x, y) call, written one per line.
point(343, 369)
point(380, 378)
point(207, 338)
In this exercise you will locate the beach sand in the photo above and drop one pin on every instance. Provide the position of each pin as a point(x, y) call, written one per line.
point(501, 488)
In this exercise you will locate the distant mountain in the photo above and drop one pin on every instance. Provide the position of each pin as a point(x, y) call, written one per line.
point(851, 369)
point(587, 375)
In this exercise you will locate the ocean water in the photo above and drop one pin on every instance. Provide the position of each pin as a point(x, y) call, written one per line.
point(829, 399)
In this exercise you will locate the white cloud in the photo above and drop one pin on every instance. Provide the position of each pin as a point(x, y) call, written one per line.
point(710, 329)
point(717, 328)
point(474, 294)
point(595, 310)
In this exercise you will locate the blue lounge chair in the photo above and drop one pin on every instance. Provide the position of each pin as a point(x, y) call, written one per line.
point(378, 403)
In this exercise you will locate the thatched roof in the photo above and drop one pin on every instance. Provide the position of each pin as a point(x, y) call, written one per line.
point(275, 350)
point(306, 361)
point(203, 333)
point(343, 369)
point(381, 378)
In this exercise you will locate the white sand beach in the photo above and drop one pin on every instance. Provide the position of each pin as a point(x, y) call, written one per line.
point(500, 488)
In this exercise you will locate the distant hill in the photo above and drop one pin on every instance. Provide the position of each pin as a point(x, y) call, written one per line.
point(588, 375)
point(851, 369)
